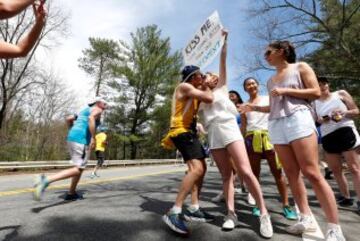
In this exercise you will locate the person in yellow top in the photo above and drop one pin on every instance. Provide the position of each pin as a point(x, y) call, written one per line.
point(182, 135)
point(100, 150)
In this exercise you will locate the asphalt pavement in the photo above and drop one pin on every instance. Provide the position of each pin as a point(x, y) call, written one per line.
point(126, 204)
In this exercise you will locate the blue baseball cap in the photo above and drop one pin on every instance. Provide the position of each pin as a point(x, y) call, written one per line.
point(189, 71)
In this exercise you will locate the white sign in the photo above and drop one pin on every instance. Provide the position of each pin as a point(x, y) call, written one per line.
point(206, 43)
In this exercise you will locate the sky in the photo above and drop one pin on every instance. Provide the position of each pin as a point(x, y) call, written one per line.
point(178, 19)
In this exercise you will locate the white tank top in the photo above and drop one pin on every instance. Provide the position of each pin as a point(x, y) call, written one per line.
point(220, 110)
point(258, 120)
point(325, 107)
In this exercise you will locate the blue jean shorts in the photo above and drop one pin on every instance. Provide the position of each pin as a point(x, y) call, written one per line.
point(299, 125)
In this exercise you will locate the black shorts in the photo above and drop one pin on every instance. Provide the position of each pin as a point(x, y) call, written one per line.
point(100, 157)
point(340, 140)
point(189, 146)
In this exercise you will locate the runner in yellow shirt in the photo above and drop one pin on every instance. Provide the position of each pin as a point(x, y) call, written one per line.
point(100, 150)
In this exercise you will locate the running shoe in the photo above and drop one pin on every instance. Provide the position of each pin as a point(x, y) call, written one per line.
point(289, 213)
point(251, 200)
point(73, 197)
point(346, 202)
point(334, 234)
point(40, 184)
point(230, 221)
point(256, 212)
point(219, 198)
point(238, 191)
point(266, 229)
point(306, 224)
point(199, 215)
point(328, 174)
point(175, 222)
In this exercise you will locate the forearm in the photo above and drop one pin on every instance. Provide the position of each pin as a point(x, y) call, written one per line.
point(92, 127)
point(27, 43)
point(9, 8)
point(308, 94)
point(352, 113)
point(264, 109)
point(222, 67)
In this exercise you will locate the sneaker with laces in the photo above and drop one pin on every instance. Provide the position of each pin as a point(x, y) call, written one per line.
point(40, 184)
point(73, 197)
point(219, 198)
point(251, 200)
point(175, 222)
point(266, 229)
point(289, 213)
point(306, 224)
point(198, 216)
point(334, 234)
point(230, 221)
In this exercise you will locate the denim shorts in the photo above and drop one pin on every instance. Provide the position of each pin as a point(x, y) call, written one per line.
point(299, 125)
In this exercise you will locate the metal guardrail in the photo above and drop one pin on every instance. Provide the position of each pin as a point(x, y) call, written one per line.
point(15, 166)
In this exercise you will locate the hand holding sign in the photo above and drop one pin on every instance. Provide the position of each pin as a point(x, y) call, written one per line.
point(206, 43)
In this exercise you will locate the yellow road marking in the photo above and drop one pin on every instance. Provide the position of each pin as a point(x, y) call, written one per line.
point(83, 183)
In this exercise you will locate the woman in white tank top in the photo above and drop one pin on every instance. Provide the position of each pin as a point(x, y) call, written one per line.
point(335, 111)
point(292, 131)
point(226, 143)
point(258, 144)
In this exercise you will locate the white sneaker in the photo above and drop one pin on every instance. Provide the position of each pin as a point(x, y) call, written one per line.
point(238, 190)
point(251, 200)
point(230, 221)
point(334, 234)
point(219, 198)
point(266, 229)
point(306, 224)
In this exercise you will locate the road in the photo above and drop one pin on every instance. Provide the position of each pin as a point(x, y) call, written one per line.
point(127, 204)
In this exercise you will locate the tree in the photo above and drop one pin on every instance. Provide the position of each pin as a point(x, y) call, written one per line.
point(147, 69)
point(97, 59)
point(19, 75)
point(317, 28)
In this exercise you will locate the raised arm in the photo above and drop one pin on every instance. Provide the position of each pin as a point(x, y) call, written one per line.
point(223, 55)
point(9, 8)
point(23, 47)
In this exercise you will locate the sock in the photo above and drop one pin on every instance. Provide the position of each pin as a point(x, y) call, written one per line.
point(176, 209)
point(194, 207)
point(334, 226)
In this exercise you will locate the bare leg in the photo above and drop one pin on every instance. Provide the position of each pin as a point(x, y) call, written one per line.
point(279, 177)
point(225, 167)
point(240, 158)
point(195, 172)
point(74, 181)
point(306, 152)
point(353, 161)
point(292, 171)
point(334, 162)
point(64, 174)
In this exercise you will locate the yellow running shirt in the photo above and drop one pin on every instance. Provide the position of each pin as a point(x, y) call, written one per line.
point(100, 141)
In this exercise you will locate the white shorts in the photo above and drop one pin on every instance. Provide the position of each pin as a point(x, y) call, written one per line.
point(284, 130)
point(222, 134)
point(79, 154)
